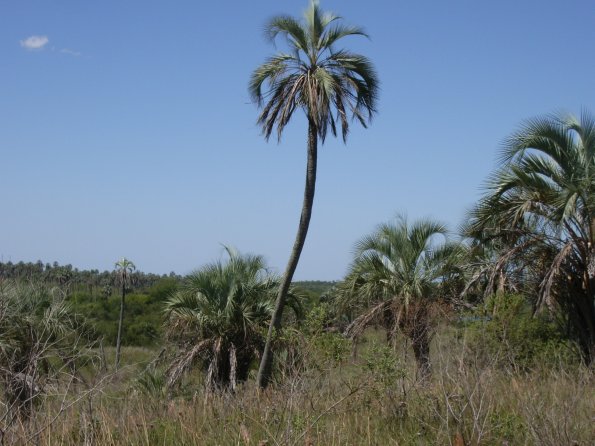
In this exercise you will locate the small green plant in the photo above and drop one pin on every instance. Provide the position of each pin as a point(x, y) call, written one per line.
point(507, 426)
point(385, 367)
point(333, 347)
point(151, 383)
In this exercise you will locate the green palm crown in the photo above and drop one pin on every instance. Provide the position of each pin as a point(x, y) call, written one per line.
point(329, 84)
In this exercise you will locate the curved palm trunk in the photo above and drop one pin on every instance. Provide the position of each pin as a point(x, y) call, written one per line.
point(266, 362)
point(120, 323)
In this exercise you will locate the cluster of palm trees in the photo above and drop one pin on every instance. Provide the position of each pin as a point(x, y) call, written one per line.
point(532, 233)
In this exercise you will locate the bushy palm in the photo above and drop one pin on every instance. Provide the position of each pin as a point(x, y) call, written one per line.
point(40, 338)
point(542, 200)
point(219, 315)
point(331, 86)
point(398, 272)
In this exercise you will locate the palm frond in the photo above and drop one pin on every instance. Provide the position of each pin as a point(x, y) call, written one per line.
point(291, 28)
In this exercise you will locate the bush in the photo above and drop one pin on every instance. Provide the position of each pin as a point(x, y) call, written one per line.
point(163, 289)
point(507, 332)
point(312, 346)
point(143, 315)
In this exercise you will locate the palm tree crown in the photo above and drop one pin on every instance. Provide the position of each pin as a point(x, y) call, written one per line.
point(400, 261)
point(548, 170)
point(328, 84)
point(224, 300)
point(124, 270)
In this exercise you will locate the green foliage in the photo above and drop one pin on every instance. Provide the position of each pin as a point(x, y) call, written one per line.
point(331, 346)
point(312, 292)
point(507, 426)
point(506, 331)
point(385, 367)
point(540, 208)
point(144, 317)
point(71, 279)
point(313, 347)
point(151, 383)
point(87, 294)
point(163, 289)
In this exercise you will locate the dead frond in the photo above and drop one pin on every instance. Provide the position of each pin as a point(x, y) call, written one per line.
point(181, 364)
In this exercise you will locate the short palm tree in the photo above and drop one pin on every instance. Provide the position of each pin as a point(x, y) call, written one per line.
point(398, 273)
point(330, 86)
point(124, 270)
point(543, 199)
point(219, 315)
point(40, 339)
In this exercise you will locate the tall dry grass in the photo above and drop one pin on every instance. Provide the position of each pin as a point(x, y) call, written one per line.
point(335, 399)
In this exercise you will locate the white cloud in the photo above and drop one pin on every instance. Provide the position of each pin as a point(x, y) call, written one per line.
point(71, 52)
point(35, 42)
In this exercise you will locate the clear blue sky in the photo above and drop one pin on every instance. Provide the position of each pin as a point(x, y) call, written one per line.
point(130, 132)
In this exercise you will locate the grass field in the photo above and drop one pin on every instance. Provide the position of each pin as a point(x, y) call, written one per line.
point(331, 398)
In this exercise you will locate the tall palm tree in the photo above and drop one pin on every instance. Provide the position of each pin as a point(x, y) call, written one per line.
point(218, 315)
point(542, 198)
point(124, 270)
point(398, 272)
point(328, 85)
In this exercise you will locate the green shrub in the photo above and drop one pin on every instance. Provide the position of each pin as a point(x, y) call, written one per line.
point(385, 366)
point(143, 316)
point(163, 289)
point(331, 347)
point(506, 331)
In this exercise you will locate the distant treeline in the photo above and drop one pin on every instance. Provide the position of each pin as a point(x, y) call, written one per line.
point(92, 280)
point(314, 288)
point(95, 280)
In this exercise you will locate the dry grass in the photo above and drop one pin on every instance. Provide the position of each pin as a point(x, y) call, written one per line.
point(371, 400)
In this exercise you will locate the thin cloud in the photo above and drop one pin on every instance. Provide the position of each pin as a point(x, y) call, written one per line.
point(70, 52)
point(35, 42)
